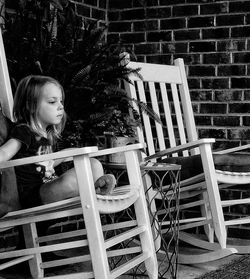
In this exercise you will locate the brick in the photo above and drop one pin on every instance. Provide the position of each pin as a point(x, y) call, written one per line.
point(194, 83)
point(215, 83)
point(103, 4)
point(11, 241)
point(223, 144)
point(195, 107)
point(132, 14)
point(146, 48)
point(168, 48)
point(201, 120)
point(240, 82)
point(158, 12)
point(114, 16)
point(241, 57)
point(240, 32)
point(116, 4)
point(181, 47)
point(190, 58)
point(228, 95)
point(216, 33)
point(171, 2)
point(201, 71)
point(201, 95)
point(172, 23)
point(148, 25)
point(246, 95)
point(204, 21)
point(239, 108)
point(226, 121)
point(231, 70)
point(120, 26)
point(231, 45)
point(229, 20)
point(247, 19)
point(214, 8)
point(149, 3)
point(212, 133)
point(157, 36)
point(91, 2)
point(242, 134)
point(141, 58)
point(238, 232)
point(159, 59)
point(239, 6)
point(113, 38)
point(70, 226)
point(216, 58)
point(213, 108)
point(132, 37)
point(202, 46)
point(98, 14)
point(246, 120)
point(186, 35)
point(174, 47)
point(185, 10)
point(83, 10)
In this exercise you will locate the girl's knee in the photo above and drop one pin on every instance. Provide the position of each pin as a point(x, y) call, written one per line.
point(97, 168)
point(62, 188)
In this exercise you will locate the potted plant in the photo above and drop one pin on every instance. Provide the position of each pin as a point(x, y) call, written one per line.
point(48, 37)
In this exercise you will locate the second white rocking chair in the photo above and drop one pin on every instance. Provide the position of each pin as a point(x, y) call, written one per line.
point(165, 89)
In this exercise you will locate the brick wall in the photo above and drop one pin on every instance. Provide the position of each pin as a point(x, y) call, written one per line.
point(92, 9)
point(213, 39)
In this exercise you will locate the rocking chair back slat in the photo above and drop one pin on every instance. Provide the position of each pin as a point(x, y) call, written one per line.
point(165, 90)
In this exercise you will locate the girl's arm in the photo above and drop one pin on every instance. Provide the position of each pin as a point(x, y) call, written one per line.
point(59, 161)
point(9, 149)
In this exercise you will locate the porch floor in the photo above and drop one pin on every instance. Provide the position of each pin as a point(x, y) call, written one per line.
point(184, 271)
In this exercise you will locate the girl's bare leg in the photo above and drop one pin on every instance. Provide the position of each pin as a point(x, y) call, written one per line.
point(66, 186)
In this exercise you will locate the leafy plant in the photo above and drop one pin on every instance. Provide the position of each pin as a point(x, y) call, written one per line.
point(47, 37)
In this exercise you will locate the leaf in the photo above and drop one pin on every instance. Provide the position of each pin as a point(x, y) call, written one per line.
point(57, 4)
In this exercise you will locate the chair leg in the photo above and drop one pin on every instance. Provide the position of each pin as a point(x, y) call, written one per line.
point(214, 195)
point(30, 236)
point(205, 211)
point(150, 194)
point(92, 218)
point(141, 211)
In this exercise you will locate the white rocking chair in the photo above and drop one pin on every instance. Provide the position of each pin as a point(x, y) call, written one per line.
point(90, 206)
point(165, 89)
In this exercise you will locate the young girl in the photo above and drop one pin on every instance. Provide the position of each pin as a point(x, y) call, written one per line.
point(40, 118)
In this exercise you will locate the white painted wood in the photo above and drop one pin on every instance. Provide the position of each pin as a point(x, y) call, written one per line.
point(6, 97)
point(169, 94)
point(142, 217)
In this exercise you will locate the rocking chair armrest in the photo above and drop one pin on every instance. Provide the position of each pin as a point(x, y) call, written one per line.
point(231, 150)
point(68, 154)
point(107, 151)
point(180, 148)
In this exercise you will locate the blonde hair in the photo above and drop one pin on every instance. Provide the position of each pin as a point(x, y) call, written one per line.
point(26, 104)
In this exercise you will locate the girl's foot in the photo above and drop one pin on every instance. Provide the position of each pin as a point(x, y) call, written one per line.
point(105, 184)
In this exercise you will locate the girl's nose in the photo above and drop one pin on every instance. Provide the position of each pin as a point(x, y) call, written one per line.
point(60, 107)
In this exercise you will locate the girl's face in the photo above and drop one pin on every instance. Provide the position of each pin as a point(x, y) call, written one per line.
point(50, 111)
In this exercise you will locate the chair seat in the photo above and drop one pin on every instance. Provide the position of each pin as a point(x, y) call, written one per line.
point(121, 198)
point(233, 177)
